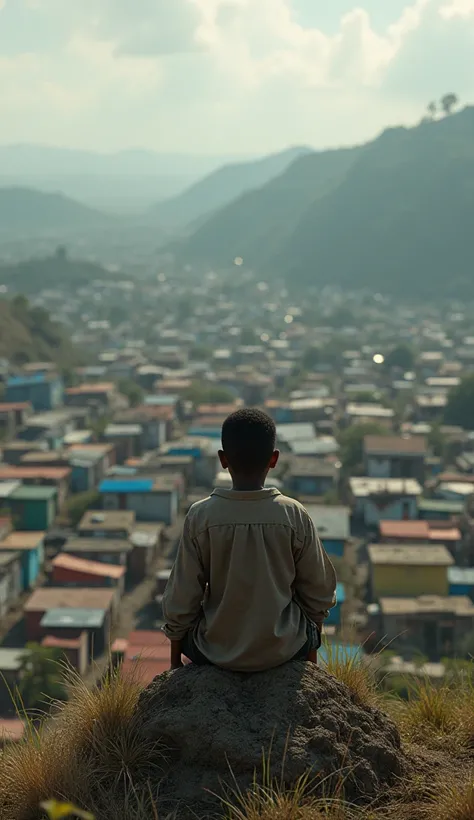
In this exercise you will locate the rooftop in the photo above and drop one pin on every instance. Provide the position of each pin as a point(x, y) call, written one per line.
point(332, 523)
point(19, 473)
point(364, 487)
point(459, 605)
point(99, 388)
point(11, 659)
point(46, 598)
point(71, 562)
point(395, 445)
point(107, 520)
point(98, 545)
point(410, 554)
point(461, 575)
point(440, 505)
point(75, 618)
point(22, 540)
point(34, 493)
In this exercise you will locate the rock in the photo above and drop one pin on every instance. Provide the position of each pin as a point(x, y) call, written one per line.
point(215, 727)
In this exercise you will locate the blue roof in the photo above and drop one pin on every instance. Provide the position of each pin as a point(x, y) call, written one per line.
point(339, 651)
point(158, 401)
point(129, 485)
point(20, 381)
point(340, 593)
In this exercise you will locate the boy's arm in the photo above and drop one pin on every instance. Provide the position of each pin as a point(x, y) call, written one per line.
point(184, 593)
point(315, 581)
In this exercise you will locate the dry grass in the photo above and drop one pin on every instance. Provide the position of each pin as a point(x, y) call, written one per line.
point(356, 673)
point(93, 754)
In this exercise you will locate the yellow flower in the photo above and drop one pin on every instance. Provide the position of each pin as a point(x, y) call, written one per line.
point(57, 810)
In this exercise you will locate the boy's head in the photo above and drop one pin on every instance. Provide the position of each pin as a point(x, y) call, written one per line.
point(248, 443)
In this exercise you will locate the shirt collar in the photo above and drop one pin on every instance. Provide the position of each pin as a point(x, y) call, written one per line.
point(246, 495)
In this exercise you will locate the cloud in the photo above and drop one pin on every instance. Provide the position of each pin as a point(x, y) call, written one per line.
point(226, 74)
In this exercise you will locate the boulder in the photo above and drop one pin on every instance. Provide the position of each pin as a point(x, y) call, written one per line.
point(215, 727)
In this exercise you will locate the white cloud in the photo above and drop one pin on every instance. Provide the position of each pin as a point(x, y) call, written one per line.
point(224, 74)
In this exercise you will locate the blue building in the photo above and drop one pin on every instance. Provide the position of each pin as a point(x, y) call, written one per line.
point(44, 391)
point(461, 581)
point(30, 547)
point(333, 527)
point(334, 618)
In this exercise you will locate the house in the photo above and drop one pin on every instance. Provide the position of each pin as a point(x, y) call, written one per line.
point(358, 413)
point(150, 499)
point(102, 396)
point(408, 570)
point(461, 581)
point(13, 415)
point(56, 477)
point(45, 599)
point(143, 655)
point(377, 499)
point(68, 570)
point(203, 451)
point(430, 407)
point(49, 427)
point(33, 508)
point(12, 730)
point(333, 527)
point(74, 650)
point(100, 457)
point(395, 457)
point(106, 550)
point(11, 581)
point(11, 664)
point(126, 438)
point(435, 532)
point(147, 541)
point(335, 614)
point(156, 422)
point(436, 509)
point(66, 623)
point(30, 547)
point(432, 625)
point(44, 391)
point(107, 524)
point(14, 451)
point(311, 476)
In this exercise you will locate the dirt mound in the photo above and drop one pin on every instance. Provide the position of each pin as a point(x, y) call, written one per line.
point(214, 726)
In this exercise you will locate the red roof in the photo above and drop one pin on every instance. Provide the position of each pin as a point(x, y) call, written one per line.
point(143, 672)
point(7, 406)
point(52, 642)
point(217, 409)
point(452, 534)
point(54, 473)
point(418, 530)
point(104, 387)
point(119, 645)
point(11, 729)
point(148, 637)
point(65, 561)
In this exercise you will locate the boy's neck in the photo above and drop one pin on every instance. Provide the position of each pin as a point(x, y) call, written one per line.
point(246, 484)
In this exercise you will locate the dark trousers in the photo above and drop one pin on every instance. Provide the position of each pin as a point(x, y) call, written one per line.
point(191, 651)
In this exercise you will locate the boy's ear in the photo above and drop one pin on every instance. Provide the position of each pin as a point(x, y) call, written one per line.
point(223, 460)
point(274, 459)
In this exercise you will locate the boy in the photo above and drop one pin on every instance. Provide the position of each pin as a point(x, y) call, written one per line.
point(251, 584)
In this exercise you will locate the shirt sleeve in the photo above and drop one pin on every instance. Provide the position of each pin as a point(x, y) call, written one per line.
point(315, 581)
point(185, 589)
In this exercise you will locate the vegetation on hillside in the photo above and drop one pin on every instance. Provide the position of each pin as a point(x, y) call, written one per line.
point(93, 756)
point(27, 211)
point(57, 271)
point(27, 334)
point(460, 407)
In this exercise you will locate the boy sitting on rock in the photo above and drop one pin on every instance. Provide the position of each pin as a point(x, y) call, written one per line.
point(251, 584)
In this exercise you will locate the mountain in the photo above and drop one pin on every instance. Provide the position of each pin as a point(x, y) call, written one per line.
point(26, 211)
point(51, 272)
point(28, 334)
point(393, 215)
point(258, 222)
point(121, 182)
point(222, 186)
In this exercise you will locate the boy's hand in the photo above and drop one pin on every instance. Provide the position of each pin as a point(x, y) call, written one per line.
point(176, 660)
point(176, 665)
point(313, 656)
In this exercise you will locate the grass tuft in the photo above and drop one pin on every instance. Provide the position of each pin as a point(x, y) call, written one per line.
point(356, 672)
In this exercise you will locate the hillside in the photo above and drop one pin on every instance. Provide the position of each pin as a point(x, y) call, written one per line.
point(52, 272)
point(27, 334)
point(393, 216)
point(24, 211)
point(257, 224)
point(222, 186)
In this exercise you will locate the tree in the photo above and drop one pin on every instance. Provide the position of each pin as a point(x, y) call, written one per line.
point(401, 356)
point(131, 390)
point(311, 358)
point(437, 441)
point(459, 410)
point(448, 102)
point(41, 677)
point(432, 109)
point(200, 393)
point(351, 441)
point(79, 503)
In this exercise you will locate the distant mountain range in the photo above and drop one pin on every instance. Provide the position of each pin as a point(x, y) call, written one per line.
point(394, 215)
point(222, 186)
point(28, 212)
point(124, 181)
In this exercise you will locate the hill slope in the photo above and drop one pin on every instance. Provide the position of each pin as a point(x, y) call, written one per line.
point(257, 224)
point(393, 215)
point(223, 186)
point(28, 334)
point(52, 272)
point(26, 211)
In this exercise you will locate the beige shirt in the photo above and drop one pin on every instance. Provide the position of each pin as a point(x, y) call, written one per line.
point(250, 569)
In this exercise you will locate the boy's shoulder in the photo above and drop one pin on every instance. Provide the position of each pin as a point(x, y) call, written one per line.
point(286, 510)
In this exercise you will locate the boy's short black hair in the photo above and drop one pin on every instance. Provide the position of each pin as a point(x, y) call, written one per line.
point(248, 440)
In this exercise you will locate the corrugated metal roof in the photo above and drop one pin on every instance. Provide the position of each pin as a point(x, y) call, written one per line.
point(11, 659)
point(24, 381)
point(34, 493)
point(46, 598)
point(74, 618)
point(332, 523)
point(71, 562)
point(439, 505)
point(135, 485)
point(8, 487)
point(461, 575)
point(22, 540)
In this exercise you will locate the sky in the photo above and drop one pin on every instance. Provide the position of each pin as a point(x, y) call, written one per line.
point(226, 76)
